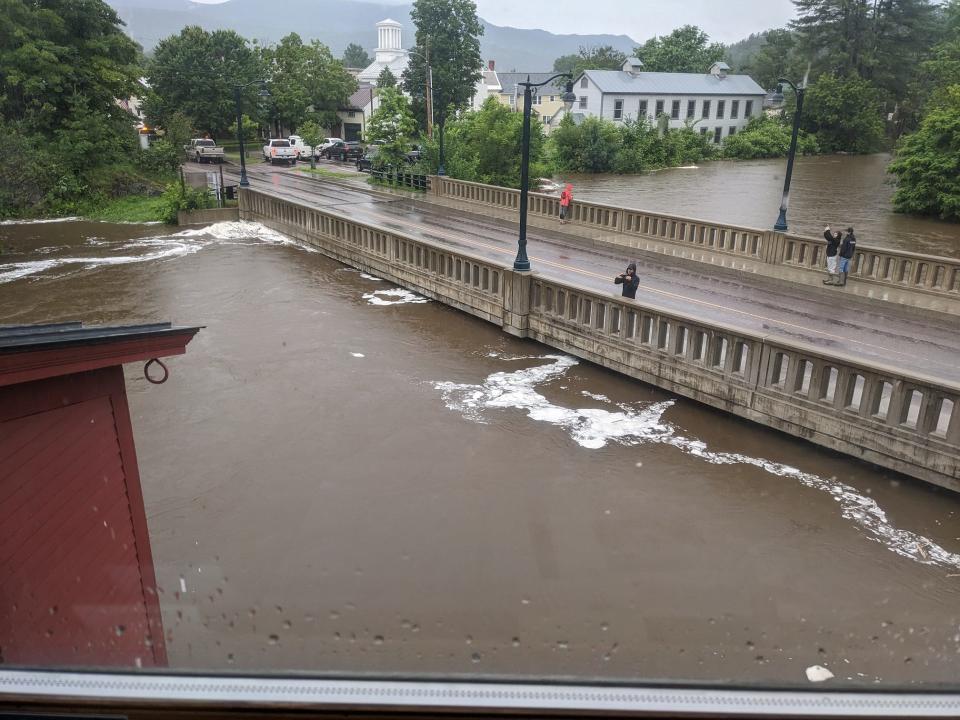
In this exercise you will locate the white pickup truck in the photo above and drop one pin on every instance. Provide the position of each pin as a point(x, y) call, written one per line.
point(203, 150)
point(279, 150)
point(304, 151)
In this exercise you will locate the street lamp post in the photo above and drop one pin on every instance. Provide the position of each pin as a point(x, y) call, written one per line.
point(237, 90)
point(781, 224)
point(523, 262)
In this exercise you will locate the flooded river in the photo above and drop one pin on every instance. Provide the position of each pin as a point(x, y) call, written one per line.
point(834, 190)
point(342, 477)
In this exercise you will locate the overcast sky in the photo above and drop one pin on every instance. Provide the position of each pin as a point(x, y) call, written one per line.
point(724, 20)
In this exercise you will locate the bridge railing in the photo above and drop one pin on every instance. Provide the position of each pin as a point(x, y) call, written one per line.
point(892, 268)
point(901, 420)
point(812, 391)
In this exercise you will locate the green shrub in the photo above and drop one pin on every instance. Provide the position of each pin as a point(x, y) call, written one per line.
point(178, 197)
point(161, 158)
point(766, 137)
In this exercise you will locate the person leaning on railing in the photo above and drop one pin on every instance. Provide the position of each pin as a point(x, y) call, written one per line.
point(833, 246)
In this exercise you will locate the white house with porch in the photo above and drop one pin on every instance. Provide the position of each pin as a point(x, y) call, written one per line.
point(716, 103)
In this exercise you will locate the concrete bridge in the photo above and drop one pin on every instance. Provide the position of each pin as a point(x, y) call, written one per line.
point(735, 318)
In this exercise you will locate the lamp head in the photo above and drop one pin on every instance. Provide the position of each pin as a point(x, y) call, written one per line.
point(264, 93)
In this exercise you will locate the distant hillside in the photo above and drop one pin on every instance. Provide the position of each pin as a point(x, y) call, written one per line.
point(336, 23)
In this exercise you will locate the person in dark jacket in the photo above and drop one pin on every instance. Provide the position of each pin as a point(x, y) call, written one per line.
point(629, 280)
point(847, 249)
point(833, 247)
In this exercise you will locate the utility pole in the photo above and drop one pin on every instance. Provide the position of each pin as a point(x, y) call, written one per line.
point(428, 79)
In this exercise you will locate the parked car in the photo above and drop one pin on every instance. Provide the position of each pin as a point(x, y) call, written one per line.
point(366, 162)
point(414, 155)
point(344, 150)
point(304, 151)
point(327, 143)
point(279, 150)
point(203, 150)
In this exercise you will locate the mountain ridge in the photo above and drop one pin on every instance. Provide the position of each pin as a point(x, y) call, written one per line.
point(523, 50)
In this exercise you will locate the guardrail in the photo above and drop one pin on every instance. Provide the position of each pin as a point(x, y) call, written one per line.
point(404, 179)
point(885, 415)
point(891, 268)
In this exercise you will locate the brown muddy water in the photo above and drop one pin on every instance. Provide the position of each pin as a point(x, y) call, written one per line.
point(836, 190)
point(339, 478)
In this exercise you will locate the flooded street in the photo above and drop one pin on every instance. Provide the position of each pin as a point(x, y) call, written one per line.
point(839, 190)
point(342, 477)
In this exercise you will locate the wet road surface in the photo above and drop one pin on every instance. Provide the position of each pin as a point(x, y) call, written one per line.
point(873, 330)
point(341, 479)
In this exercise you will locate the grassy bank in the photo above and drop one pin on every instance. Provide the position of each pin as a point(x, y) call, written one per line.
point(132, 209)
point(323, 172)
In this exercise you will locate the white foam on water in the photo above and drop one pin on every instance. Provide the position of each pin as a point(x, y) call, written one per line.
point(358, 355)
point(594, 396)
point(366, 276)
point(593, 428)
point(396, 296)
point(42, 221)
point(157, 247)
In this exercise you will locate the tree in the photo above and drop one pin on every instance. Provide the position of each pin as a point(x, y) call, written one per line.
point(605, 57)
point(305, 81)
point(195, 73)
point(386, 79)
point(484, 146)
point(178, 129)
point(766, 137)
point(927, 163)
point(64, 142)
point(687, 49)
point(312, 132)
point(52, 53)
point(392, 124)
point(775, 59)
point(844, 114)
point(449, 32)
point(878, 40)
point(355, 57)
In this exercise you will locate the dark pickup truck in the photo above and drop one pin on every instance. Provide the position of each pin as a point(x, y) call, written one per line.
point(344, 150)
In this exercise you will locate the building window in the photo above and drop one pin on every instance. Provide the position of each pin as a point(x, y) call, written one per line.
point(717, 134)
point(721, 107)
point(351, 114)
point(583, 102)
point(659, 108)
point(583, 82)
point(537, 99)
point(748, 109)
point(703, 131)
point(732, 131)
point(618, 109)
point(706, 110)
point(691, 109)
point(552, 98)
point(675, 110)
point(734, 109)
point(642, 112)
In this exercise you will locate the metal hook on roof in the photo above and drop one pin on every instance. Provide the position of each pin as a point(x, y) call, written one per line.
point(146, 372)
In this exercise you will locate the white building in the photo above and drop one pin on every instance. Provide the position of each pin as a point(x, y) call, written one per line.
point(487, 86)
point(716, 103)
point(389, 53)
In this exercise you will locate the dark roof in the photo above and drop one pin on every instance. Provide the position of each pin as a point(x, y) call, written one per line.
point(360, 98)
point(20, 338)
point(509, 80)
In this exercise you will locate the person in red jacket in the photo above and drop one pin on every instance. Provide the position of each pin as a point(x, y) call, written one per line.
point(565, 198)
